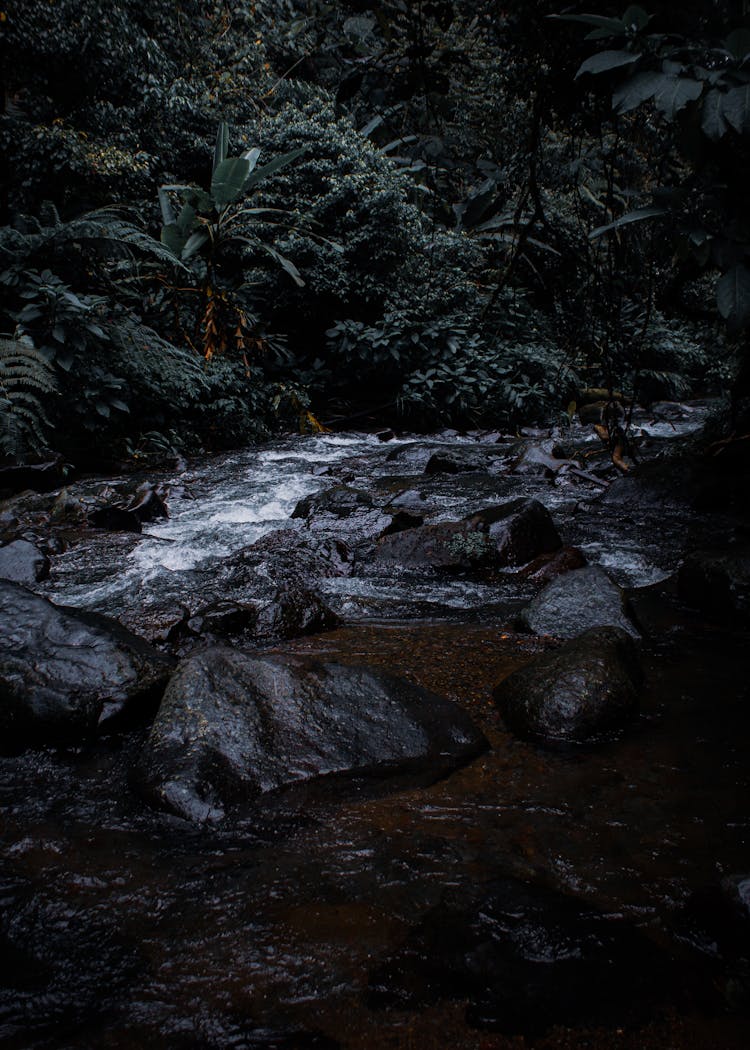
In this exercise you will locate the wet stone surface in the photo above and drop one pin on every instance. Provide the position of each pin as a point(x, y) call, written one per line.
point(605, 874)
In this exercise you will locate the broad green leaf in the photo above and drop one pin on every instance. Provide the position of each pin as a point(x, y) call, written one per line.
point(733, 296)
point(738, 43)
point(675, 93)
point(604, 61)
point(639, 215)
point(736, 108)
point(186, 219)
point(119, 405)
point(228, 180)
point(286, 264)
point(638, 89)
point(273, 166)
point(251, 156)
point(222, 145)
point(194, 244)
point(167, 213)
point(712, 115)
point(636, 16)
point(172, 238)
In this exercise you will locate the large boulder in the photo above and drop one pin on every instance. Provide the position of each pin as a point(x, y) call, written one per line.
point(576, 601)
point(233, 727)
point(22, 562)
point(63, 671)
point(509, 534)
point(520, 530)
point(446, 545)
point(576, 693)
point(718, 583)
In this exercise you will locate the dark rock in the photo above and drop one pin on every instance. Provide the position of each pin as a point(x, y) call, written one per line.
point(23, 562)
point(576, 601)
point(457, 461)
point(339, 502)
point(385, 435)
point(593, 412)
point(224, 619)
point(539, 459)
point(232, 727)
point(411, 500)
point(289, 554)
point(67, 508)
point(527, 958)
point(115, 519)
point(63, 671)
point(718, 583)
point(403, 520)
point(292, 612)
point(520, 530)
point(41, 477)
point(447, 545)
point(576, 693)
point(548, 567)
point(148, 504)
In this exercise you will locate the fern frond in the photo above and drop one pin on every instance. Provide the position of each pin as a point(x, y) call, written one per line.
point(25, 377)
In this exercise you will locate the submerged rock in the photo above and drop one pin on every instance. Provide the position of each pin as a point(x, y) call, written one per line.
point(233, 727)
point(22, 562)
point(63, 671)
point(717, 583)
point(576, 601)
point(577, 693)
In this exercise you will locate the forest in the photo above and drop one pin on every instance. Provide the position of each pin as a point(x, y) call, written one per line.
point(220, 220)
point(374, 536)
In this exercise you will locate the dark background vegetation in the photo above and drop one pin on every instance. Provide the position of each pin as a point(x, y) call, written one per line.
point(478, 210)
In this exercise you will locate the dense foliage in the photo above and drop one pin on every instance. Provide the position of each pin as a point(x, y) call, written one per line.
point(219, 218)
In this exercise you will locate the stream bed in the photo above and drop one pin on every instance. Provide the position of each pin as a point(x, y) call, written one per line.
point(374, 920)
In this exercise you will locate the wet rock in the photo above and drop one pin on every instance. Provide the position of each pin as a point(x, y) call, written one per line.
point(458, 461)
point(148, 504)
point(287, 554)
point(403, 520)
point(40, 477)
point(224, 619)
point(233, 727)
point(23, 562)
point(338, 502)
point(539, 459)
point(346, 510)
point(385, 435)
point(293, 612)
point(577, 693)
point(520, 530)
point(67, 508)
point(548, 567)
point(593, 412)
point(527, 958)
point(115, 519)
point(448, 545)
point(64, 671)
point(718, 583)
point(576, 601)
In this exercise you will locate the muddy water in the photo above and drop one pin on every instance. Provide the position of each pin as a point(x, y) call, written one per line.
point(124, 928)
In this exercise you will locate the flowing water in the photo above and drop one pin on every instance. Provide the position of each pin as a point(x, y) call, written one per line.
point(126, 928)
